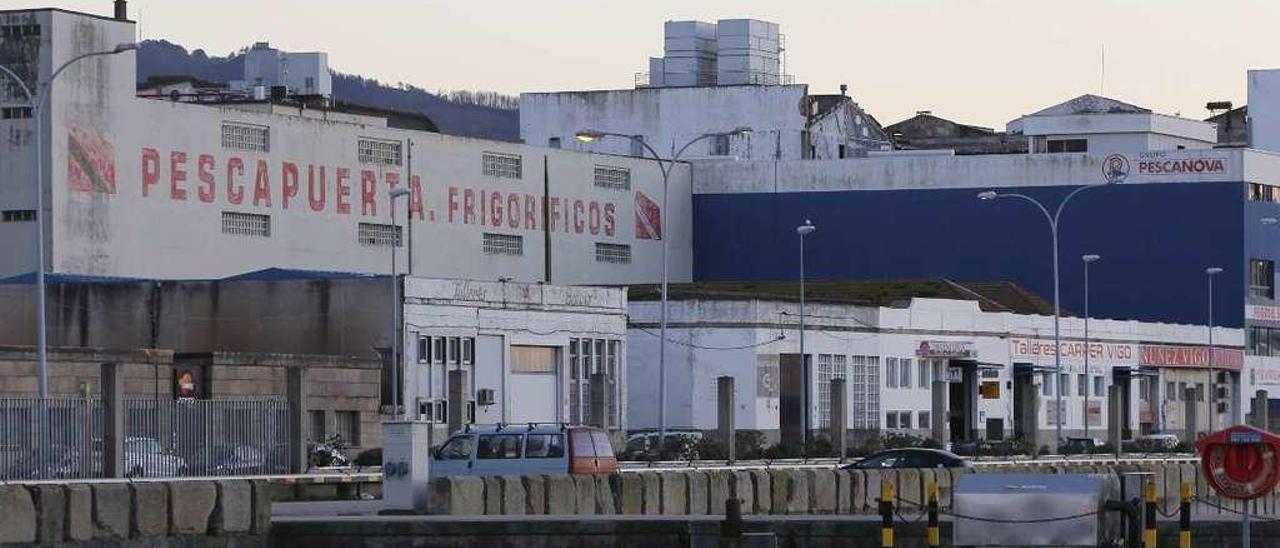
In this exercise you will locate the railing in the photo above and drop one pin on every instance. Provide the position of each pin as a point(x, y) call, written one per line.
point(63, 438)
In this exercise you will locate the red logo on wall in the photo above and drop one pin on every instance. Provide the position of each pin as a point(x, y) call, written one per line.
point(91, 161)
point(648, 218)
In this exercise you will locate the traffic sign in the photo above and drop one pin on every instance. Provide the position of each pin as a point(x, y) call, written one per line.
point(1240, 462)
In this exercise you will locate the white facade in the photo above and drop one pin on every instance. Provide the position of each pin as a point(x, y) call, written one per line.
point(1099, 125)
point(883, 353)
point(300, 73)
point(532, 346)
point(159, 189)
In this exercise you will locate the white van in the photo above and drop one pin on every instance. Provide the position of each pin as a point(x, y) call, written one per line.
point(516, 449)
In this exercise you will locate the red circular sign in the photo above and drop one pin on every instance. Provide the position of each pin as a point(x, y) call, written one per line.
point(1240, 462)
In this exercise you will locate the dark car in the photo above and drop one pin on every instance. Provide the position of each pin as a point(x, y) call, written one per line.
point(910, 458)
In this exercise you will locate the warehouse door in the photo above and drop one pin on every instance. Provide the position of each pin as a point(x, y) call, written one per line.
point(534, 370)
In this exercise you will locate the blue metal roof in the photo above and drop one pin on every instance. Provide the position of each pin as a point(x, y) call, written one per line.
point(270, 274)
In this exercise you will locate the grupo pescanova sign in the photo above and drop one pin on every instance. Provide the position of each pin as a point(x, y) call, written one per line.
point(259, 183)
point(1161, 166)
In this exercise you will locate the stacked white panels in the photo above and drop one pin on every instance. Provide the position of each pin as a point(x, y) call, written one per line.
point(689, 54)
point(748, 52)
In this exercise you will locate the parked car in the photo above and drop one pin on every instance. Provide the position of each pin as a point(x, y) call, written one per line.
point(1155, 442)
point(1076, 446)
point(643, 445)
point(910, 458)
point(493, 450)
point(145, 457)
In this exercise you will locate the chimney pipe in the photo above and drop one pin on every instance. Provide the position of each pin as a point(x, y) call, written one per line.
point(122, 10)
point(844, 88)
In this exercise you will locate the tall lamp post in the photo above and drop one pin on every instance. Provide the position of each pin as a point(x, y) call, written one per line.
point(665, 165)
point(1210, 393)
point(804, 230)
point(38, 100)
point(396, 301)
point(1088, 376)
point(1053, 219)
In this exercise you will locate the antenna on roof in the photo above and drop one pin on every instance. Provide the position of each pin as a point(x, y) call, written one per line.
point(1102, 80)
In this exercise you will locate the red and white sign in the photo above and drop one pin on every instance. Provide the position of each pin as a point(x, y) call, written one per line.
point(1155, 355)
point(1262, 313)
point(1264, 376)
point(946, 349)
point(1240, 462)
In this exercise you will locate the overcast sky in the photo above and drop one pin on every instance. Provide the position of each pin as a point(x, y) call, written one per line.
point(982, 62)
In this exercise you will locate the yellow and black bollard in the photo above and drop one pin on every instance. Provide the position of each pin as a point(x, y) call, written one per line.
point(886, 514)
point(1184, 517)
point(935, 539)
point(1149, 516)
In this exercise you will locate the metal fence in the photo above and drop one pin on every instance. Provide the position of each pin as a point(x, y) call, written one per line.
point(63, 438)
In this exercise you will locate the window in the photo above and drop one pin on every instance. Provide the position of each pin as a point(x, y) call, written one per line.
point(468, 350)
point(891, 419)
point(19, 31)
point(1099, 386)
point(1064, 384)
point(1199, 391)
point(310, 83)
point(1046, 381)
point(424, 349)
point(904, 419)
point(505, 446)
point(613, 253)
point(891, 372)
point(1182, 391)
point(637, 146)
point(905, 370)
point(15, 113)
point(18, 215)
point(544, 446)
point(824, 390)
point(922, 372)
point(246, 224)
point(380, 152)
point(458, 448)
point(317, 424)
point(1170, 391)
point(613, 177)
point(553, 142)
point(246, 137)
point(347, 424)
point(1082, 385)
point(533, 359)
point(455, 350)
point(841, 153)
point(1068, 145)
point(719, 145)
point(440, 353)
point(503, 166)
point(1262, 278)
point(379, 235)
point(588, 357)
point(923, 419)
point(503, 244)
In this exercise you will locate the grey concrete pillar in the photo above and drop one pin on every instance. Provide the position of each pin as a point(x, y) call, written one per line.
point(457, 399)
point(295, 393)
point(1261, 413)
point(938, 412)
point(1189, 425)
point(112, 420)
point(599, 413)
point(1115, 418)
point(727, 430)
point(839, 418)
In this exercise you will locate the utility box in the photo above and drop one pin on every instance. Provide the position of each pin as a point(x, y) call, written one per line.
point(1073, 505)
point(406, 466)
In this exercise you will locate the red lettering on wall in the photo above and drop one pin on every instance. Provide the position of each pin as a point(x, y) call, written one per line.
point(468, 206)
point(495, 208)
point(342, 191)
point(608, 219)
point(288, 184)
point(368, 193)
point(415, 197)
point(393, 178)
point(208, 185)
point(555, 213)
point(235, 190)
point(262, 185)
point(513, 210)
point(593, 217)
point(150, 169)
point(177, 175)
point(315, 188)
point(577, 216)
point(453, 202)
point(530, 212)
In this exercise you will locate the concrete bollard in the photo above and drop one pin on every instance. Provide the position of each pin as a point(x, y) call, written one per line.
point(111, 504)
point(79, 520)
point(823, 491)
point(606, 500)
point(562, 496)
point(457, 496)
point(798, 493)
point(51, 506)
point(149, 516)
point(190, 506)
point(232, 513)
point(512, 498)
point(630, 489)
point(492, 495)
point(18, 520)
point(718, 491)
point(697, 492)
point(585, 494)
point(742, 488)
point(535, 494)
point(674, 498)
point(763, 495)
point(651, 504)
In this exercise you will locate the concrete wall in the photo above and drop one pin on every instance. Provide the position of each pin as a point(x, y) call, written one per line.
point(73, 371)
point(112, 513)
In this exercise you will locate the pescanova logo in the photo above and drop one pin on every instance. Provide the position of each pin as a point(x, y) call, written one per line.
point(1115, 169)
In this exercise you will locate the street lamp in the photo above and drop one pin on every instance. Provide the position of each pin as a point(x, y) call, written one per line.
point(665, 165)
point(1088, 376)
point(1208, 388)
point(804, 230)
point(37, 101)
point(1053, 219)
point(396, 392)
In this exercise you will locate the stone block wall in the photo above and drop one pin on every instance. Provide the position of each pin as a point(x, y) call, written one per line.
point(148, 372)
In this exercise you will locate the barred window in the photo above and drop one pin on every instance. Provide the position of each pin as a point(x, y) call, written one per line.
point(246, 224)
point(613, 177)
point(381, 235)
point(503, 244)
point(507, 166)
point(15, 113)
point(18, 215)
point(613, 253)
point(347, 424)
point(246, 137)
point(19, 31)
point(375, 151)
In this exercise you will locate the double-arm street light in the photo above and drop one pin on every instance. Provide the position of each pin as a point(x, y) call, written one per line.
point(37, 101)
point(666, 165)
point(1088, 376)
point(1054, 220)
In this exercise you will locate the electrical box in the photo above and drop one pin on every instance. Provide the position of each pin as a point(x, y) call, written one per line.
point(406, 466)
